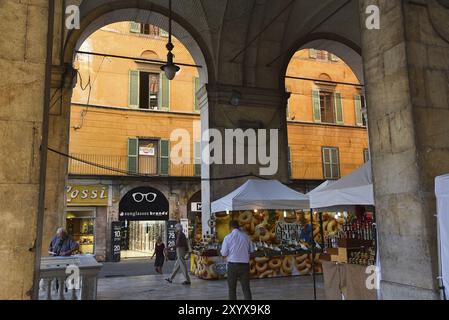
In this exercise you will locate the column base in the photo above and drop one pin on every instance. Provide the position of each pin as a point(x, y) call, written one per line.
point(398, 291)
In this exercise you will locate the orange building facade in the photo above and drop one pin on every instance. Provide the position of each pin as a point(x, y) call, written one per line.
point(124, 112)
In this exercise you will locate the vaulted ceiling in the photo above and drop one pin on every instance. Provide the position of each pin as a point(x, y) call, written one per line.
point(242, 42)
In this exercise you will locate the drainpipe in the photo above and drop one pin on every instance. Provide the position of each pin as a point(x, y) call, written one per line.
point(43, 152)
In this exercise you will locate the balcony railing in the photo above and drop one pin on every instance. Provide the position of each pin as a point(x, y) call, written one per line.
point(113, 165)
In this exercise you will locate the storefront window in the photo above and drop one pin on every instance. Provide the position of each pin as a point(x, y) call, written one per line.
point(80, 226)
point(142, 236)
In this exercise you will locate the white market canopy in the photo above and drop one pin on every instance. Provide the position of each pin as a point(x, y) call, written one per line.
point(354, 189)
point(442, 194)
point(261, 194)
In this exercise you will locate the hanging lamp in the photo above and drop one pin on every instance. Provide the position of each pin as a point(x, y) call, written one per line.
point(170, 68)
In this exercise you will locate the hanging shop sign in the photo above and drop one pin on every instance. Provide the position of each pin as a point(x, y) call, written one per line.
point(143, 203)
point(148, 150)
point(116, 235)
point(90, 195)
point(195, 207)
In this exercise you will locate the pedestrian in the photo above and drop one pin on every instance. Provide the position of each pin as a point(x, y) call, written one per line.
point(182, 253)
point(62, 244)
point(237, 247)
point(159, 252)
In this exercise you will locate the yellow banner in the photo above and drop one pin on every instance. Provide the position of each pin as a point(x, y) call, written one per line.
point(93, 195)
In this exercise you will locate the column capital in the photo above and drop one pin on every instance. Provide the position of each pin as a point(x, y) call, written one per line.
point(62, 76)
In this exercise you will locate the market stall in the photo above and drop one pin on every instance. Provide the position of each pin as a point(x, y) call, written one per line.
point(274, 218)
point(442, 194)
point(353, 242)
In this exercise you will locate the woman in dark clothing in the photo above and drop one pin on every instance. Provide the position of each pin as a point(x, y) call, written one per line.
point(159, 252)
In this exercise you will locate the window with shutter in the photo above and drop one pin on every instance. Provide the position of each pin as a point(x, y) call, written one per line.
point(163, 33)
point(197, 86)
point(165, 93)
point(358, 110)
point(133, 154)
point(331, 163)
point(290, 162)
point(338, 108)
point(316, 106)
point(334, 57)
point(134, 27)
point(133, 89)
point(197, 160)
point(164, 157)
point(366, 156)
point(312, 53)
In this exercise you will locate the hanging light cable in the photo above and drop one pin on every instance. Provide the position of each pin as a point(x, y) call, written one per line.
point(170, 68)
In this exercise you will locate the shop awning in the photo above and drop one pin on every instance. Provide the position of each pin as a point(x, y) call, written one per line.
point(354, 189)
point(261, 194)
point(442, 194)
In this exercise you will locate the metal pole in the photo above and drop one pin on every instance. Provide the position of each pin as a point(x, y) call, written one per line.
point(313, 254)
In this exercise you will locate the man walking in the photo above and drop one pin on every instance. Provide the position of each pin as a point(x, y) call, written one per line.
point(237, 247)
point(182, 252)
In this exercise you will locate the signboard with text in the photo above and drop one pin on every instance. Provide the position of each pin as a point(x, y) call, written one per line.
point(143, 203)
point(87, 195)
point(116, 237)
point(171, 239)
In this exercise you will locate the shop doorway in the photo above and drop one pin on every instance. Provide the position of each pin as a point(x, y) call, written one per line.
point(80, 225)
point(140, 238)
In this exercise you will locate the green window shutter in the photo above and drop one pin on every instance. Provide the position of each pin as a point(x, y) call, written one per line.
point(164, 157)
point(338, 108)
point(358, 110)
point(165, 92)
point(289, 162)
point(312, 53)
point(134, 27)
point(133, 154)
point(197, 160)
point(334, 57)
point(316, 106)
point(196, 88)
point(133, 89)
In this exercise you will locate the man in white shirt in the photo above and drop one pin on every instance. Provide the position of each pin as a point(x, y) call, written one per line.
point(236, 248)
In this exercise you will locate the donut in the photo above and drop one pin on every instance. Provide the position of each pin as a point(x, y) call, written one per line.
point(301, 258)
point(275, 263)
point(266, 274)
point(300, 266)
point(211, 271)
point(331, 226)
point(252, 267)
point(287, 265)
point(261, 267)
point(245, 218)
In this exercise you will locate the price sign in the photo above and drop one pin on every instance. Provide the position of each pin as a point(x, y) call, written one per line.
point(116, 235)
point(171, 239)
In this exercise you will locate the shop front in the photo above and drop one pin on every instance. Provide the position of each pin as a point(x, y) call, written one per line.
point(194, 218)
point(143, 213)
point(86, 208)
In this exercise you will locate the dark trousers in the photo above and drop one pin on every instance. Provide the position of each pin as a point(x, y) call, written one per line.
point(238, 271)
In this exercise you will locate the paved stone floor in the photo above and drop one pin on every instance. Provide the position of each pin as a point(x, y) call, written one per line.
point(154, 287)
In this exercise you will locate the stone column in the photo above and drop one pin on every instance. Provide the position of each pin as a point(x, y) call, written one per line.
point(406, 71)
point(23, 28)
point(57, 165)
point(254, 108)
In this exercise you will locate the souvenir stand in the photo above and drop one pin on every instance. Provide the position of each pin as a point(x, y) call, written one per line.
point(277, 220)
point(350, 248)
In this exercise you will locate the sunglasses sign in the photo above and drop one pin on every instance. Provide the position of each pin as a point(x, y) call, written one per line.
point(143, 203)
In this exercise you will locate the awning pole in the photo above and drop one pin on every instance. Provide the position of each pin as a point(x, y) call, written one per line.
point(313, 254)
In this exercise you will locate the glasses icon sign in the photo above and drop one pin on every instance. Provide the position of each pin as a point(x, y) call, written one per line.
point(139, 197)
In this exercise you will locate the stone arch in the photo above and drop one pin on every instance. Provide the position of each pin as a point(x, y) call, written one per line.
point(345, 49)
point(149, 54)
point(143, 12)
